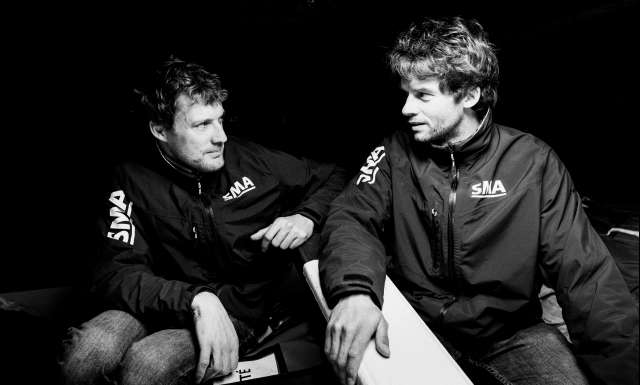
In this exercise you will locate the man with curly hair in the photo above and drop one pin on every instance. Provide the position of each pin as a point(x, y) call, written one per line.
point(469, 218)
point(195, 262)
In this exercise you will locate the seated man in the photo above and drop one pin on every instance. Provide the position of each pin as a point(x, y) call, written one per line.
point(468, 218)
point(192, 261)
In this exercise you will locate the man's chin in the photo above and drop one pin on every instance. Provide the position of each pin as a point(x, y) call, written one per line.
point(420, 137)
point(212, 166)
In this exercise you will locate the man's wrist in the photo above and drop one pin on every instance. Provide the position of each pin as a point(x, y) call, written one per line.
point(310, 215)
point(334, 299)
point(357, 296)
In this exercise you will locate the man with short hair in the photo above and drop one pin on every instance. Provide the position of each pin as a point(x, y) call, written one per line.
point(468, 218)
point(194, 260)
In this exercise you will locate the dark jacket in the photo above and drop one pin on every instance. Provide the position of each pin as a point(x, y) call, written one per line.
point(168, 233)
point(468, 233)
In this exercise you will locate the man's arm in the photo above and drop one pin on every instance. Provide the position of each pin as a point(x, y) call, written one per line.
point(123, 276)
point(310, 187)
point(353, 267)
point(124, 279)
point(599, 310)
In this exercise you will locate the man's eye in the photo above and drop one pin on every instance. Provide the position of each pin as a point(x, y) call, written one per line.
point(424, 97)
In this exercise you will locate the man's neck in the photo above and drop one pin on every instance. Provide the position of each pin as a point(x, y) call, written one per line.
point(468, 126)
point(175, 164)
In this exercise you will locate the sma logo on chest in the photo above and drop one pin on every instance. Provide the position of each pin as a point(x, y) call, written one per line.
point(238, 189)
point(488, 189)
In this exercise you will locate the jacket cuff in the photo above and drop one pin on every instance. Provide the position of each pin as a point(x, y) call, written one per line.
point(344, 291)
point(187, 317)
point(311, 215)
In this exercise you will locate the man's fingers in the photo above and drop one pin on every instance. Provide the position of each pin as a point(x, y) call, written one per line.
point(218, 362)
point(259, 234)
point(280, 236)
point(203, 363)
point(382, 338)
point(355, 354)
point(296, 242)
point(288, 240)
point(335, 343)
point(234, 361)
point(271, 232)
point(353, 364)
point(345, 347)
point(328, 339)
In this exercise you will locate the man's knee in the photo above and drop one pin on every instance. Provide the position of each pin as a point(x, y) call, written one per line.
point(95, 348)
point(163, 357)
point(539, 352)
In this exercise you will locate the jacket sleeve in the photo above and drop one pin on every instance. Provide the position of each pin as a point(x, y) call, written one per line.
point(311, 185)
point(123, 277)
point(600, 313)
point(353, 259)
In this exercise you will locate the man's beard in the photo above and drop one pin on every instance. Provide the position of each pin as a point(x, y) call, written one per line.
point(441, 136)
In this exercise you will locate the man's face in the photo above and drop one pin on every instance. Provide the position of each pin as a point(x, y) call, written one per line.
point(434, 116)
point(197, 137)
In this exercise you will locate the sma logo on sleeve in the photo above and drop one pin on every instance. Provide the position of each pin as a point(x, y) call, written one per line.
point(369, 171)
point(121, 227)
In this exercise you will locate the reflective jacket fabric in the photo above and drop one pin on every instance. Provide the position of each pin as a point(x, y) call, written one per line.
point(468, 232)
point(167, 234)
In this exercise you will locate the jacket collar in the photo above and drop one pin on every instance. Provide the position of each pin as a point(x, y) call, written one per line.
point(477, 141)
point(465, 150)
point(176, 166)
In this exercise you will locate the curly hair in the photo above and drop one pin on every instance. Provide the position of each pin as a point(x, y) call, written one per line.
point(454, 50)
point(174, 78)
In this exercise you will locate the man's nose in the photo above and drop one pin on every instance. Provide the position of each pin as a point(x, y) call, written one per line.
point(218, 136)
point(409, 108)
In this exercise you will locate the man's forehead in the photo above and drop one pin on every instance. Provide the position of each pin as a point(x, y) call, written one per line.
point(195, 107)
point(414, 83)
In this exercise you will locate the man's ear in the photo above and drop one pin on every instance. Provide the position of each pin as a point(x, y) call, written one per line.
point(158, 131)
point(471, 97)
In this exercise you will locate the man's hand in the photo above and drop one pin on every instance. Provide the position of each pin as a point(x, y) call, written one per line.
point(285, 232)
point(352, 324)
point(217, 337)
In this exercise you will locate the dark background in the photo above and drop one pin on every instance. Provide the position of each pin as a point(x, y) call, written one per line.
point(308, 77)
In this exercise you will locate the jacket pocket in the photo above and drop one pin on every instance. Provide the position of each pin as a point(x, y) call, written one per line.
point(430, 215)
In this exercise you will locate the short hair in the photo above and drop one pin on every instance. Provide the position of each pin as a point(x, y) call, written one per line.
point(173, 78)
point(456, 51)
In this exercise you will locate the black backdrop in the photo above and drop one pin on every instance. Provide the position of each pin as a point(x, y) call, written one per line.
point(308, 77)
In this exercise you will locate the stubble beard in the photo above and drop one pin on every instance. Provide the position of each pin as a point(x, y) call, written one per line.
point(440, 135)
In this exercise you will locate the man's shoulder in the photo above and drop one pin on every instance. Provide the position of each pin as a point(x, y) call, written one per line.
point(521, 138)
point(135, 175)
point(395, 142)
point(131, 168)
point(244, 153)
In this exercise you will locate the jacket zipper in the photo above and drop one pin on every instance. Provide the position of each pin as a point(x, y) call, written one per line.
point(450, 256)
point(207, 208)
point(452, 204)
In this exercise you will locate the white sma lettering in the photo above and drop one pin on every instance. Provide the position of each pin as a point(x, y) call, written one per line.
point(121, 228)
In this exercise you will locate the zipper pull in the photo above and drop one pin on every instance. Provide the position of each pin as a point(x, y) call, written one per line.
point(434, 212)
point(199, 188)
point(454, 172)
point(195, 232)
